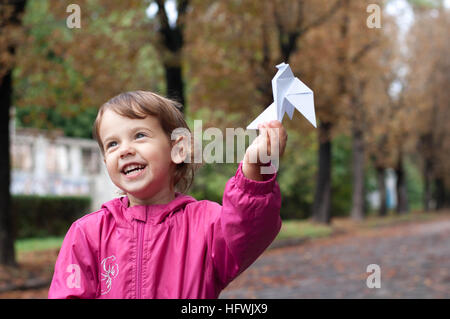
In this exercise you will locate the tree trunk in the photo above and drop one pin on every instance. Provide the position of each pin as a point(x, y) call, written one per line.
point(7, 255)
point(442, 200)
point(322, 199)
point(358, 202)
point(174, 82)
point(382, 210)
point(12, 19)
point(172, 41)
point(402, 195)
point(428, 181)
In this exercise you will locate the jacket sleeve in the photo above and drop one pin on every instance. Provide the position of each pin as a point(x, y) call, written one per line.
point(75, 273)
point(248, 223)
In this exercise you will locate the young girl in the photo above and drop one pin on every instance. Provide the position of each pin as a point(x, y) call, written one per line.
point(155, 242)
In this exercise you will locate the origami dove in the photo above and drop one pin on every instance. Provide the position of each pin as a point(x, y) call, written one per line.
point(288, 93)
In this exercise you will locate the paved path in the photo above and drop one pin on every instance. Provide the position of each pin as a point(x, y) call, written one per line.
point(414, 261)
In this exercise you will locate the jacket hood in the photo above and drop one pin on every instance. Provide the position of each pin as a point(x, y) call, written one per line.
point(155, 214)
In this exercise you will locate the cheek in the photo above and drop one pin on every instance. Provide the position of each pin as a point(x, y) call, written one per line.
point(159, 153)
point(111, 166)
point(160, 156)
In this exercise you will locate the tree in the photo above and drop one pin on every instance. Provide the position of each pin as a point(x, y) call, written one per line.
point(64, 75)
point(242, 42)
point(427, 90)
point(292, 27)
point(322, 198)
point(380, 114)
point(10, 24)
point(364, 67)
point(170, 46)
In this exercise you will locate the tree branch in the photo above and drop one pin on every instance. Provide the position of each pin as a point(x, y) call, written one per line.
point(182, 7)
point(172, 37)
point(322, 19)
point(162, 15)
point(363, 51)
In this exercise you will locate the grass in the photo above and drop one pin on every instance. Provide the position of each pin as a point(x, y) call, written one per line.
point(303, 229)
point(295, 229)
point(374, 221)
point(37, 244)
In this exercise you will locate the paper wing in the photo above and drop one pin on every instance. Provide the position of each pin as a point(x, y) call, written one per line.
point(298, 87)
point(304, 103)
point(269, 114)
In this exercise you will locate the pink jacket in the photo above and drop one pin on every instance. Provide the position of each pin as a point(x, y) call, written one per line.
point(183, 249)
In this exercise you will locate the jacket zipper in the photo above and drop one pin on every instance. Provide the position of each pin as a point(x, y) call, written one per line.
point(139, 259)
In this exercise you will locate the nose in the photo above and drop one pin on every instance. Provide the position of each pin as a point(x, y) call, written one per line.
point(126, 150)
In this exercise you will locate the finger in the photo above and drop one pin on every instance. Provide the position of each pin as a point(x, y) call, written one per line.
point(282, 131)
point(275, 123)
point(274, 141)
point(262, 133)
point(262, 145)
point(265, 142)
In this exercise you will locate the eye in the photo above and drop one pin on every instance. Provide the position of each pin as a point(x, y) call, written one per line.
point(140, 135)
point(111, 144)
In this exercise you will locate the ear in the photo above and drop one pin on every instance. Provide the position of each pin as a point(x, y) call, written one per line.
point(179, 150)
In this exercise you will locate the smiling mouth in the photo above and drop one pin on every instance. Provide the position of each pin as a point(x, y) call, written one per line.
point(133, 168)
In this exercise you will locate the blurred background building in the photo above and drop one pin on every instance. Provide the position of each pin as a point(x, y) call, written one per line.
point(49, 163)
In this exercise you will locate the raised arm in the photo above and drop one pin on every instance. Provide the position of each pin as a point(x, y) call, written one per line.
point(248, 222)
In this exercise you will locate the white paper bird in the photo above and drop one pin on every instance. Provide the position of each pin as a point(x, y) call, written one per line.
point(288, 93)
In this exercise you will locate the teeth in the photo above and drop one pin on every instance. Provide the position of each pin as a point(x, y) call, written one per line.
point(129, 168)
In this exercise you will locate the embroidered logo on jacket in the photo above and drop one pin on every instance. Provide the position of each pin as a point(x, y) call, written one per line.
point(110, 270)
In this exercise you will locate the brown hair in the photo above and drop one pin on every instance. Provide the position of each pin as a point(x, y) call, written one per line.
point(140, 104)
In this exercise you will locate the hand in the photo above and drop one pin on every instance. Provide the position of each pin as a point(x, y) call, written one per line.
point(269, 145)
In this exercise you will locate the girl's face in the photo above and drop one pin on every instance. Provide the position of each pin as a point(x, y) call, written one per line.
point(138, 157)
